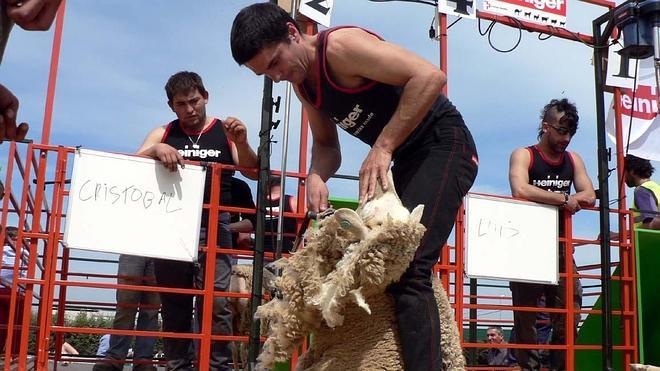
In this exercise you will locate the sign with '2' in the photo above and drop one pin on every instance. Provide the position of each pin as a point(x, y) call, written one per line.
point(319, 11)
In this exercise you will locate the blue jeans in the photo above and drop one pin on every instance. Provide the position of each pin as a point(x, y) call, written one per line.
point(135, 270)
point(178, 308)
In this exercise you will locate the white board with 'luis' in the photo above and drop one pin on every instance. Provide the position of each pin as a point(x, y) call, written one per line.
point(512, 240)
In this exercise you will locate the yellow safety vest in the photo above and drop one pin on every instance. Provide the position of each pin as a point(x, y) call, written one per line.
point(653, 187)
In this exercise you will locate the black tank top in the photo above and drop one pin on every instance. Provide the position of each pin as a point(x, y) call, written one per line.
point(551, 176)
point(270, 227)
point(548, 175)
point(364, 112)
point(211, 145)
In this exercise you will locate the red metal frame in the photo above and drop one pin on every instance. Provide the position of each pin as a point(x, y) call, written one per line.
point(31, 215)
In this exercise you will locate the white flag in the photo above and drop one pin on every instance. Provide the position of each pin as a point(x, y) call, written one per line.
point(639, 121)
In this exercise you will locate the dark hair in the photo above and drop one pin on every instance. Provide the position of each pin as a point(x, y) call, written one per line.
point(496, 328)
point(183, 82)
point(257, 27)
point(274, 180)
point(11, 230)
point(552, 111)
point(641, 167)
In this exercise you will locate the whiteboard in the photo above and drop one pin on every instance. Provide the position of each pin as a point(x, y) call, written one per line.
point(511, 240)
point(132, 205)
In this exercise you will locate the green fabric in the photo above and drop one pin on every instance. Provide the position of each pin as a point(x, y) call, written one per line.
point(648, 301)
point(648, 294)
point(339, 203)
point(591, 333)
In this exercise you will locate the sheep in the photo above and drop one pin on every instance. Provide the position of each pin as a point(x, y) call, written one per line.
point(241, 282)
point(334, 288)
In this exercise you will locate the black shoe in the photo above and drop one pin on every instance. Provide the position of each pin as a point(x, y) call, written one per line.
point(107, 366)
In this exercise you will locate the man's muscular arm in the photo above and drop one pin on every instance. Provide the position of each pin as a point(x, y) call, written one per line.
point(355, 54)
point(326, 157)
point(520, 187)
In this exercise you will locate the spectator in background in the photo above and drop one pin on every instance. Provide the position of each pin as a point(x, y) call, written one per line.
point(242, 224)
point(637, 174)
point(104, 345)
point(646, 200)
point(68, 350)
point(6, 282)
point(495, 356)
point(272, 217)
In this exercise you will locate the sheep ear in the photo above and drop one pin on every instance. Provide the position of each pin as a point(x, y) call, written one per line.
point(416, 214)
point(351, 221)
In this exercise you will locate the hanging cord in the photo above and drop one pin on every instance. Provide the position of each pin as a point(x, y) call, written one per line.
point(489, 31)
point(632, 113)
point(432, 31)
point(577, 38)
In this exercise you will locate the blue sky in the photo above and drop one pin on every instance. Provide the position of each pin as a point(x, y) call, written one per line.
point(117, 55)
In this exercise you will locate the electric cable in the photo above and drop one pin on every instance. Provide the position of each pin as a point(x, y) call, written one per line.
point(489, 32)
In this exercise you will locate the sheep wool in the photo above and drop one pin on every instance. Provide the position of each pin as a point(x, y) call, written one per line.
point(335, 290)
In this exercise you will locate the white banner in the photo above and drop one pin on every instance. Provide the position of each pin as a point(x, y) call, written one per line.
point(545, 12)
point(621, 71)
point(459, 8)
point(638, 120)
point(319, 11)
point(638, 107)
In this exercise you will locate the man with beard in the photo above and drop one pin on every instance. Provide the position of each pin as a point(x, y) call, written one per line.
point(544, 173)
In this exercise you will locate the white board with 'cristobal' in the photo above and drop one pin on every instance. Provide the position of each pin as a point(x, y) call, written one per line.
point(511, 240)
point(132, 205)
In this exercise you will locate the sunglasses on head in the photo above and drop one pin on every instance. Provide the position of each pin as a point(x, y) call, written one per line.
point(562, 130)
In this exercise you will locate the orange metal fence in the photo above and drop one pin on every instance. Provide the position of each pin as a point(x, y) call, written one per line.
point(48, 275)
point(38, 213)
point(470, 307)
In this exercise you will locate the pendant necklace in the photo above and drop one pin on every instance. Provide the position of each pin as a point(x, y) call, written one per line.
point(194, 144)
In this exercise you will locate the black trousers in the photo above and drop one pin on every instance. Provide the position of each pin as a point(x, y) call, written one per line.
point(437, 172)
point(527, 295)
point(177, 309)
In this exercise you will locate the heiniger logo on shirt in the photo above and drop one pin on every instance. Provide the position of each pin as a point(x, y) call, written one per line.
point(552, 183)
point(351, 120)
point(199, 153)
